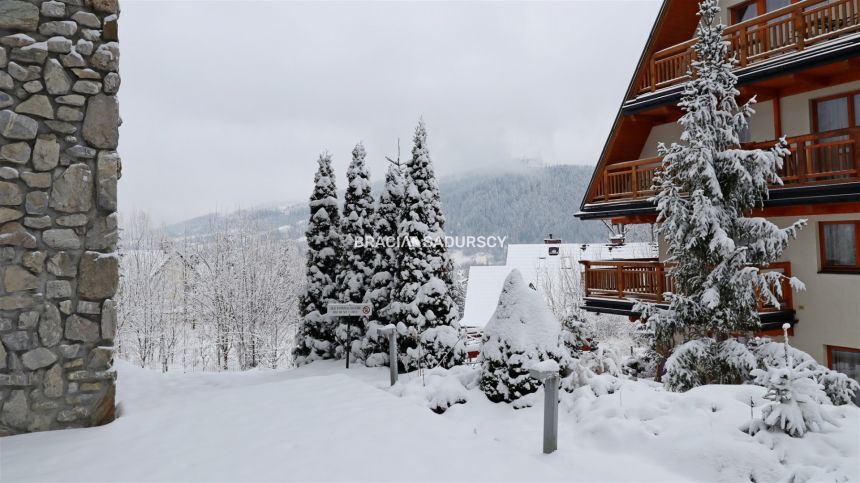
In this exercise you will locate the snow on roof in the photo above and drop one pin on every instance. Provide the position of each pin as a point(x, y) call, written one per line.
point(535, 261)
point(482, 294)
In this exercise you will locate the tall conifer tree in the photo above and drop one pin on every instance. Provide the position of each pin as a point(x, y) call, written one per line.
point(425, 314)
point(316, 337)
point(707, 186)
point(354, 275)
point(382, 282)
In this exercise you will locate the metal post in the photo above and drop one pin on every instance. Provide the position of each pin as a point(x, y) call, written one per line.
point(392, 356)
point(348, 339)
point(550, 414)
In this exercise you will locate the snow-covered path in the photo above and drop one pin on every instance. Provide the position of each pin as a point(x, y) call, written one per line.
point(320, 422)
point(264, 426)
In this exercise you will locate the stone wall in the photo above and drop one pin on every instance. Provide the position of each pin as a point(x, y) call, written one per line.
point(59, 122)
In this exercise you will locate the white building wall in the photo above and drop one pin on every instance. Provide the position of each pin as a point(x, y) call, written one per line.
point(828, 311)
point(761, 129)
point(796, 118)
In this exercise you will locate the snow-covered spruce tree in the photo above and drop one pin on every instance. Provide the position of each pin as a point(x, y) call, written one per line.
point(382, 282)
point(522, 332)
point(796, 396)
point(706, 187)
point(316, 337)
point(356, 267)
point(422, 307)
point(423, 177)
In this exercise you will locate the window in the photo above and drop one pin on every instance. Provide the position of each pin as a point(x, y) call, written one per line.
point(840, 111)
point(754, 8)
point(840, 250)
point(744, 135)
point(847, 361)
point(745, 11)
point(832, 114)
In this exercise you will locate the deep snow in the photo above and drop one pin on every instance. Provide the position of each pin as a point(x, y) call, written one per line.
point(321, 422)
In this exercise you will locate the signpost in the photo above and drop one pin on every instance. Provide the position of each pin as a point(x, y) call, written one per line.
point(350, 311)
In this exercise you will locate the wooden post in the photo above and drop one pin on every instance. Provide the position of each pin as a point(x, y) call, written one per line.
point(619, 280)
point(853, 146)
point(653, 67)
point(634, 182)
point(742, 45)
point(777, 117)
point(661, 282)
point(799, 28)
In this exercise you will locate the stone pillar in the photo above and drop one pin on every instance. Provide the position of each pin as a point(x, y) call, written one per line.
point(59, 122)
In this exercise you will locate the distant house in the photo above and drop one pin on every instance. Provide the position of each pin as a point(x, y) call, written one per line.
point(545, 266)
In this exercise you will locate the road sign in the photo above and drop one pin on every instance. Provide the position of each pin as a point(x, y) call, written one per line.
point(349, 310)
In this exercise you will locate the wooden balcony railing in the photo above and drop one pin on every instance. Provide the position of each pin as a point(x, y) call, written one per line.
point(828, 157)
point(649, 280)
point(788, 29)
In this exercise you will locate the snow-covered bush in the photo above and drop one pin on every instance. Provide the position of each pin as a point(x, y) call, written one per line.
point(579, 375)
point(604, 359)
point(522, 332)
point(706, 361)
point(839, 388)
point(641, 364)
point(793, 387)
point(440, 388)
point(796, 396)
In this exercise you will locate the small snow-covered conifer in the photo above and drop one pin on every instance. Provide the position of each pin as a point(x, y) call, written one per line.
point(796, 396)
point(316, 337)
point(839, 388)
point(522, 332)
point(706, 187)
point(356, 267)
point(382, 282)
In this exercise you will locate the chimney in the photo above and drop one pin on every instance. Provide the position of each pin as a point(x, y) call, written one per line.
point(551, 241)
point(617, 239)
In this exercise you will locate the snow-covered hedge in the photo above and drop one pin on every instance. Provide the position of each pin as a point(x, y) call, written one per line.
point(523, 331)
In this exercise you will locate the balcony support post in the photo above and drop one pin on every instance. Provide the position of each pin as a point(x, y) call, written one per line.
point(799, 29)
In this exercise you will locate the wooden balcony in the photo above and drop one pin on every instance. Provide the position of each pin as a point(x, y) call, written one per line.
point(648, 280)
point(789, 29)
point(829, 157)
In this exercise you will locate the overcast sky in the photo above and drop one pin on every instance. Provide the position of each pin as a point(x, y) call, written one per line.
point(227, 104)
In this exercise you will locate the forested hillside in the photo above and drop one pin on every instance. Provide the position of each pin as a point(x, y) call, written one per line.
point(524, 205)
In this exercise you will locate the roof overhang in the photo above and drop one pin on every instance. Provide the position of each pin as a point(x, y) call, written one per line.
point(793, 196)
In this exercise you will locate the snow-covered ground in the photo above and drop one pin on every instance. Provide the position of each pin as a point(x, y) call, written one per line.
point(321, 422)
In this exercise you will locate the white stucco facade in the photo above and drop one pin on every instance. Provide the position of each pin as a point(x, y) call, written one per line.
point(828, 311)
